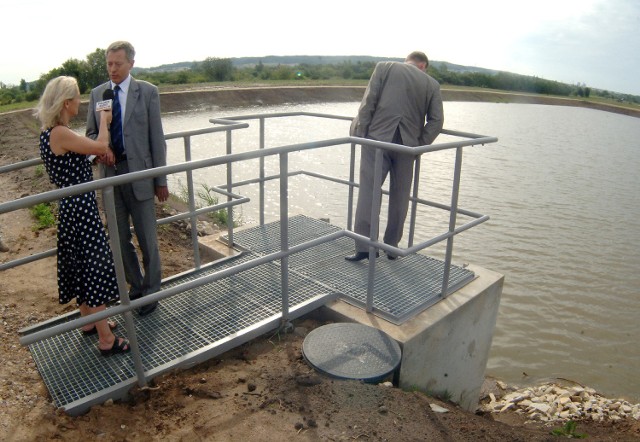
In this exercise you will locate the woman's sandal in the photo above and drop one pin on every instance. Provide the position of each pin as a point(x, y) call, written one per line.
point(120, 345)
point(94, 330)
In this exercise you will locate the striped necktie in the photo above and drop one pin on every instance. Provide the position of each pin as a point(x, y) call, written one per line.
point(116, 124)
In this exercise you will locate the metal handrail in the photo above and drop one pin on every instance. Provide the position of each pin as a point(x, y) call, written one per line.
point(233, 199)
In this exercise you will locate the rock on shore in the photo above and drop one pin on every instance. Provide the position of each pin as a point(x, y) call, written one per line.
point(551, 402)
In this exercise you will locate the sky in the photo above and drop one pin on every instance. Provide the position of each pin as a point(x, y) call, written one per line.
point(591, 42)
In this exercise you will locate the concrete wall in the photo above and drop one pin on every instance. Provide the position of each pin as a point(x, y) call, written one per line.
point(446, 347)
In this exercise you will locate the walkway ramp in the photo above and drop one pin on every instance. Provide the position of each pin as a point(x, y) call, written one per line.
point(201, 323)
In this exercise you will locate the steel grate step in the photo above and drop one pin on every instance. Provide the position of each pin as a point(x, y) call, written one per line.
point(185, 329)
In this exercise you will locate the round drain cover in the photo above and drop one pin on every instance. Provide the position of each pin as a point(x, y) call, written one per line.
point(351, 351)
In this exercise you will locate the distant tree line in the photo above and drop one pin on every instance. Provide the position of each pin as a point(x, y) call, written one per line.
point(89, 73)
point(92, 72)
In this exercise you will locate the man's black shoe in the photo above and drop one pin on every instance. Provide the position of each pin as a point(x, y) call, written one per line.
point(359, 256)
point(147, 309)
point(391, 257)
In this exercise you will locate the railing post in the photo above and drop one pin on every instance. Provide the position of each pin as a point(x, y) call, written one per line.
point(352, 173)
point(375, 223)
point(261, 184)
point(114, 240)
point(229, 189)
point(452, 222)
point(414, 202)
point(192, 204)
point(284, 234)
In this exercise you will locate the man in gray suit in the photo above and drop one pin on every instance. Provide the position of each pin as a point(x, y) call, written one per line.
point(401, 105)
point(138, 143)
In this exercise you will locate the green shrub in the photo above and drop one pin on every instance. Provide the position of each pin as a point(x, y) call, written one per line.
point(44, 215)
point(39, 170)
point(569, 430)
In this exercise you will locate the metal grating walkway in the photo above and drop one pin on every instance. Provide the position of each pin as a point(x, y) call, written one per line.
point(203, 322)
point(403, 287)
point(186, 329)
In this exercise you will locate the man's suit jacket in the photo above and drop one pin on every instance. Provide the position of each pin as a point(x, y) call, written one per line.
point(142, 131)
point(399, 95)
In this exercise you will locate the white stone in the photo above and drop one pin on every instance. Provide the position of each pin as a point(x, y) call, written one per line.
point(543, 408)
point(572, 407)
point(535, 416)
point(438, 409)
point(508, 406)
point(565, 415)
point(513, 397)
point(562, 392)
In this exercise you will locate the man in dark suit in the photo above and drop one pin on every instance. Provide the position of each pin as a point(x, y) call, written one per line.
point(138, 143)
point(401, 105)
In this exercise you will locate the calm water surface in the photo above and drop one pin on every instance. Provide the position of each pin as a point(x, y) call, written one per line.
point(562, 189)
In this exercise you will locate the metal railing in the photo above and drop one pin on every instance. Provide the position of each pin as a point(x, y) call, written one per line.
point(230, 124)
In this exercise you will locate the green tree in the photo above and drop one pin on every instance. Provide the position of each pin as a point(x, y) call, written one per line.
point(217, 69)
point(259, 68)
point(78, 69)
point(96, 68)
point(7, 96)
point(283, 73)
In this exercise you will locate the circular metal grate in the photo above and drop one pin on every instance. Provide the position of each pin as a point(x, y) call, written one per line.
point(351, 351)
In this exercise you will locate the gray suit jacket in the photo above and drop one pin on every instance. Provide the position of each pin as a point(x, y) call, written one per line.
point(142, 130)
point(399, 95)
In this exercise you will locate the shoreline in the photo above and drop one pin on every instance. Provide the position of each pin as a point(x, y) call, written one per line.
point(177, 101)
point(265, 95)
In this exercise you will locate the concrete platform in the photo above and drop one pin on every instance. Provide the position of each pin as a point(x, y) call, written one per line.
point(446, 347)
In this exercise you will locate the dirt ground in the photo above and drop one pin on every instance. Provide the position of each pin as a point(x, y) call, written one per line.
point(261, 391)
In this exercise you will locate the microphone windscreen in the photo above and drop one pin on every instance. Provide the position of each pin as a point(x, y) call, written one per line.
point(108, 94)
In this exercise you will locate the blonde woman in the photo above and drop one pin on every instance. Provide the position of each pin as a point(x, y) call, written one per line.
point(85, 265)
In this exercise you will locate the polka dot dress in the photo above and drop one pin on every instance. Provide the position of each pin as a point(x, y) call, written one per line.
point(85, 264)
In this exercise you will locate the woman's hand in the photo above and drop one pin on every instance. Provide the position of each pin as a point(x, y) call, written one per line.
point(106, 115)
point(108, 158)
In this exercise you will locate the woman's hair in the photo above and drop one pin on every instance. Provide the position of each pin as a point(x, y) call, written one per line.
point(49, 107)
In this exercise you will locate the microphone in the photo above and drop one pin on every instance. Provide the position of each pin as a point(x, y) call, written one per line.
point(107, 99)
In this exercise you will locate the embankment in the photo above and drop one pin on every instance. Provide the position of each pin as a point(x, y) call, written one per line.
point(220, 98)
point(264, 96)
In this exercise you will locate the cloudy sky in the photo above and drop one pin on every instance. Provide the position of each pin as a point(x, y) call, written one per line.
point(595, 42)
